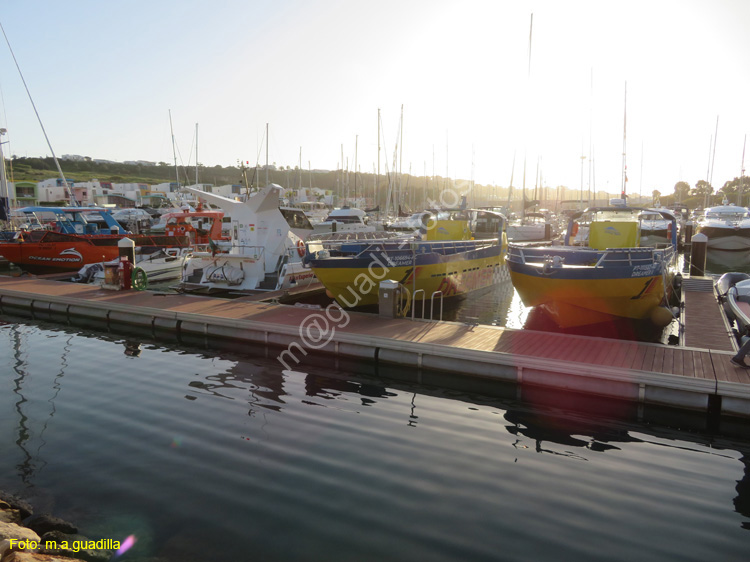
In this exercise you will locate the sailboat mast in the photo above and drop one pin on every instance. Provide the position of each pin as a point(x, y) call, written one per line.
point(196, 154)
point(377, 181)
point(4, 191)
point(174, 150)
point(526, 113)
point(267, 182)
point(400, 155)
point(742, 174)
point(510, 187)
point(624, 139)
point(356, 144)
point(713, 156)
point(68, 190)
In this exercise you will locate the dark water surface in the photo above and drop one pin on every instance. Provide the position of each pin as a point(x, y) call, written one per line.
point(220, 456)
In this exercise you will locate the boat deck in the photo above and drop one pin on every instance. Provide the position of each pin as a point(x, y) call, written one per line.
point(649, 373)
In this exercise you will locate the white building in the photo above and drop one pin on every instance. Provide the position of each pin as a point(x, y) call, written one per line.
point(52, 190)
point(170, 189)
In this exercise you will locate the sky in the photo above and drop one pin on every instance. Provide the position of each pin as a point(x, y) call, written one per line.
point(482, 91)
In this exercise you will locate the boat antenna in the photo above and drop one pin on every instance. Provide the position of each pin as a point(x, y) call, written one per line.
point(73, 200)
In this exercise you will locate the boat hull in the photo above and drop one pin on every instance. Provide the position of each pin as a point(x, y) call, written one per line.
point(63, 253)
point(580, 294)
point(732, 239)
point(354, 282)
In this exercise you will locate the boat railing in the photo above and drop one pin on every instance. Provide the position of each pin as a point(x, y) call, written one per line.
point(608, 257)
point(255, 252)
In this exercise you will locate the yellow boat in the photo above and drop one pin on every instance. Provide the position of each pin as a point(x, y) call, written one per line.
point(447, 262)
point(612, 277)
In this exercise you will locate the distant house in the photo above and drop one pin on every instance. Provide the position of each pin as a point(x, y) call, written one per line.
point(52, 190)
point(23, 193)
point(170, 189)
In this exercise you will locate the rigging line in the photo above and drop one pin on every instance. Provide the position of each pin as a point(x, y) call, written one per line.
point(73, 200)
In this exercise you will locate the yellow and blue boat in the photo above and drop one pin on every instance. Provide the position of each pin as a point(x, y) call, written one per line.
point(613, 276)
point(447, 261)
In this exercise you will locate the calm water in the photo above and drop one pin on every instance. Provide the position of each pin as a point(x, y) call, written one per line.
point(220, 456)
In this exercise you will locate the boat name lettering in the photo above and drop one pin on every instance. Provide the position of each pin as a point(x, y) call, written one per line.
point(643, 270)
point(398, 260)
point(46, 258)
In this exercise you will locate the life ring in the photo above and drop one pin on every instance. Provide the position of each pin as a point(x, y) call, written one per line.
point(182, 229)
point(139, 279)
point(301, 248)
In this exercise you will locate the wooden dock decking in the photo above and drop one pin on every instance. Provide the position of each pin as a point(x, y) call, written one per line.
point(705, 324)
point(649, 373)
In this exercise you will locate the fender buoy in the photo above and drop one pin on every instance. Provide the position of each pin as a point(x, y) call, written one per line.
point(301, 248)
point(139, 279)
point(574, 231)
point(669, 232)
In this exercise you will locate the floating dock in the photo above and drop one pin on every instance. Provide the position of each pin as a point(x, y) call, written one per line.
point(694, 378)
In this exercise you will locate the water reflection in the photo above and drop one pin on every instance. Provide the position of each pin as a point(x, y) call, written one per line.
point(26, 466)
point(617, 328)
point(132, 349)
point(244, 379)
point(547, 429)
point(354, 472)
point(32, 461)
point(742, 500)
point(332, 388)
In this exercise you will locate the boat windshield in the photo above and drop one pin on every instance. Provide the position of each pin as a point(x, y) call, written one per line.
point(296, 218)
point(727, 215)
point(616, 215)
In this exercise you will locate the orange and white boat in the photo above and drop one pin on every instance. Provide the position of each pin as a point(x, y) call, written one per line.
point(63, 239)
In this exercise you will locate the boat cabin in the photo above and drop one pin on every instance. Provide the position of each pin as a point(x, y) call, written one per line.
point(199, 226)
point(347, 216)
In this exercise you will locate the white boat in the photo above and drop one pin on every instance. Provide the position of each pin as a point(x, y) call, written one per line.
point(726, 226)
point(411, 223)
point(315, 211)
point(160, 264)
point(344, 219)
point(532, 227)
point(655, 229)
point(733, 292)
point(265, 250)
